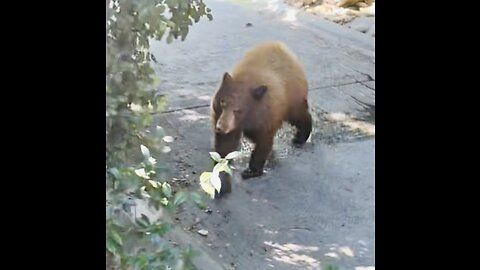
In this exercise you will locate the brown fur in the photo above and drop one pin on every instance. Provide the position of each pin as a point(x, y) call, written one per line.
point(266, 88)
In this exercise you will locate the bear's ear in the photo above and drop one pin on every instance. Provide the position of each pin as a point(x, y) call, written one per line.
point(259, 92)
point(227, 79)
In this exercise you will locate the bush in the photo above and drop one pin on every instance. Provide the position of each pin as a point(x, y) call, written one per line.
point(132, 172)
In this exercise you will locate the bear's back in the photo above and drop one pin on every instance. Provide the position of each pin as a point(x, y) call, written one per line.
point(271, 56)
point(273, 64)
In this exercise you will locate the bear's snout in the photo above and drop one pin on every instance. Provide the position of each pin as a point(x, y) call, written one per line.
point(225, 124)
point(218, 129)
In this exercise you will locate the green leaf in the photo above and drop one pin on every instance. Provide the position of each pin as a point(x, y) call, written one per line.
point(209, 189)
point(198, 200)
point(141, 172)
point(180, 198)
point(184, 32)
point(206, 184)
point(145, 151)
point(215, 156)
point(205, 177)
point(145, 218)
point(116, 237)
point(218, 167)
point(153, 183)
point(164, 201)
point(167, 190)
point(233, 155)
point(111, 247)
point(215, 181)
point(170, 23)
point(161, 229)
point(115, 172)
point(227, 169)
point(145, 194)
point(156, 81)
point(152, 161)
point(330, 267)
point(160, 9)
point(161, 102)
point(140, 262)
point(143, 221)
point(222, 167)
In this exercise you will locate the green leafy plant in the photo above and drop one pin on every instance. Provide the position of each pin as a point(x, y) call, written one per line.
point(331, 267)
point(133, 175)
point(135, 241)
point(210, 181)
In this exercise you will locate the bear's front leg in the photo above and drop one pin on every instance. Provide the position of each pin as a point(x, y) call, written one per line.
point(225, 144)
point(263, 147)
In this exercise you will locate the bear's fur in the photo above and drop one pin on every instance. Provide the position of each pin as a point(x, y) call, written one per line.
point(267, 87)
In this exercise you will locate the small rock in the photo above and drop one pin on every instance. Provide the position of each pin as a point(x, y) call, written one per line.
point(194, 172)
point(203, 233)
point(349, 3)
point(323, 9)
point(362, 5)
point(248, 25)
point(208, 211)
point(220, 256)
point(369, 11)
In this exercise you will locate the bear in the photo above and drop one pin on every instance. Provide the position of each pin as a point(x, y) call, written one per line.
point(266, 88)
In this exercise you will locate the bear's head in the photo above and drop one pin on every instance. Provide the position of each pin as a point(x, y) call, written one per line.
point(233, 103)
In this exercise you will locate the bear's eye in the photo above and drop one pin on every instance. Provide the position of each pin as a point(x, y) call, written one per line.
point(237, 111)
point(223, 104)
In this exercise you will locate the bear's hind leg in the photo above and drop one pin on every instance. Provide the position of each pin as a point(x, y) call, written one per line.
point(263, 147)
point(302, 121)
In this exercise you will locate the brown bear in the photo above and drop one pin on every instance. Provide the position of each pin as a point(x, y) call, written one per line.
point(266, 88)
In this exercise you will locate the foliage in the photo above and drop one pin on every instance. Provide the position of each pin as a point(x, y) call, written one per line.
point(210, 181)
point(133, 175)
point(130, 78)
point(331, 267)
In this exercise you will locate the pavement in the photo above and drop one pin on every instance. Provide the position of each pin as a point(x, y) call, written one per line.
point(314, 205)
